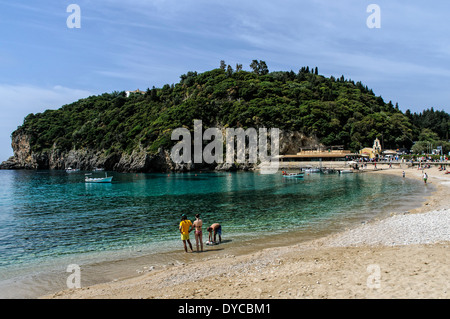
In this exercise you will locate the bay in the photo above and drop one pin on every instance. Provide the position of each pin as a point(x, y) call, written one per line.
point(49, 219)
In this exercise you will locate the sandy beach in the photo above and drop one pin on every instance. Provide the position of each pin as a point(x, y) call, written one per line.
point(401, 256)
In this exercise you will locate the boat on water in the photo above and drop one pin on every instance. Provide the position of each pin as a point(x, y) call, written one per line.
point(72, 170)
point(293, 175)
point(106, 179)
point(311, 170)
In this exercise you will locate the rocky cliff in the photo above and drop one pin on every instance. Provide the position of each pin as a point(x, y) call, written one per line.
point(138, 161)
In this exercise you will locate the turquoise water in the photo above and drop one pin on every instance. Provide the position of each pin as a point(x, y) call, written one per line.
point(46, 216)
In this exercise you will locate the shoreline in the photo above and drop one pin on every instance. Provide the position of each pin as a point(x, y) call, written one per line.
point(320, 268)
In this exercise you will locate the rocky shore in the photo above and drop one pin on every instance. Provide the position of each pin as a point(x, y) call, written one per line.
point(138, 161)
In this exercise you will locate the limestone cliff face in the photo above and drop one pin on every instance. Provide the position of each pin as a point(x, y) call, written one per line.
point(291, 142)
point(23, 157)
point(138, 161)
point(85, 159)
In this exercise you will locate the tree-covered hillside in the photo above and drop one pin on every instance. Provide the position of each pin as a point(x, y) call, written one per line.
point(335, 110)
point(432, 129)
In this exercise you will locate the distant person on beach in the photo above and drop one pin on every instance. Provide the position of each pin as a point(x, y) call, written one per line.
point(185, 228)
point(215, 229)
point(403, 173)
point(425, 177)
point(198, 223)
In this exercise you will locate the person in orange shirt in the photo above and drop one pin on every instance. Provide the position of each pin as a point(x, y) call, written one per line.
point(185, 228)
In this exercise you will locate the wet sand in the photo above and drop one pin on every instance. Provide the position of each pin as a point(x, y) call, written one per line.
point(400, 256)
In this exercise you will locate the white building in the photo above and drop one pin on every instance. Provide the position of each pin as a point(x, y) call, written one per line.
point(128, 93)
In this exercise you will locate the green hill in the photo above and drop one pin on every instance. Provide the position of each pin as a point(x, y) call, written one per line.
point(337, 111)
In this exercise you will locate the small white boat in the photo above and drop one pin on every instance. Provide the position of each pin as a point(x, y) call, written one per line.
point(72, 170)
point(105, 179)
point(312, 170)
point(293, 175)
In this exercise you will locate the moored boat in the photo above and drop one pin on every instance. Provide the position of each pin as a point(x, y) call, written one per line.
point(106, 179)
point(293, 175)
point(311, 170)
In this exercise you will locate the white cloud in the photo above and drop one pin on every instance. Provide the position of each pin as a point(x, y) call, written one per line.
point(17, 101)
point(35, 99)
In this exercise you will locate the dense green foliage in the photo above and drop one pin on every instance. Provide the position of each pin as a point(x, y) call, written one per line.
point(432, 129)
point(337, 111)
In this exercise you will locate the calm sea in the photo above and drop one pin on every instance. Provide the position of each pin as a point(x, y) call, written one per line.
point(50, 219)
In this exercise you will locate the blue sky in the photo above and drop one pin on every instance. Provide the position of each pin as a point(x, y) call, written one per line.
point(125, 45)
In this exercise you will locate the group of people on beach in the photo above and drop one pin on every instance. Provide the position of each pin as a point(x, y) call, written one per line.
point(186, 226)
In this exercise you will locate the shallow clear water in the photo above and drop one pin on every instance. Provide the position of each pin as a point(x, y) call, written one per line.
point(49, 218)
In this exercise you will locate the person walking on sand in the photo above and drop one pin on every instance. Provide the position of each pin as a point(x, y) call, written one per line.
point(185, 228)
point(425, 177)
point(198, 223)
point(215, 229)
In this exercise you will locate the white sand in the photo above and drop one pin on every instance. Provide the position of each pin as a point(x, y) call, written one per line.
point(407, 229)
